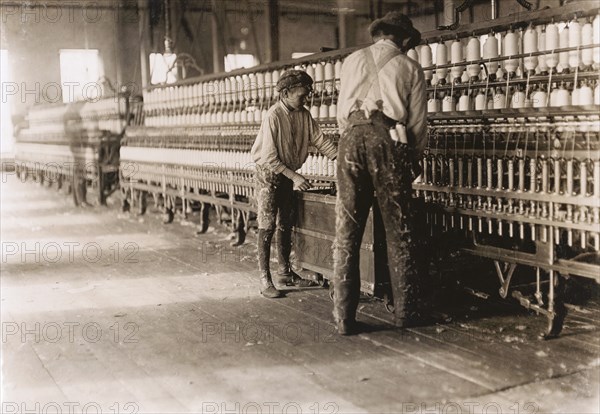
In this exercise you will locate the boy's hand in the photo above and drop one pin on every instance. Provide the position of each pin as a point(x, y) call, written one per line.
point(301, 183)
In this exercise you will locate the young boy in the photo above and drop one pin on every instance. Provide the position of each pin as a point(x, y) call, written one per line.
point(281, 147)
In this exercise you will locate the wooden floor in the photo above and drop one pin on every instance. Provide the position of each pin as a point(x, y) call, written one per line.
point(109, 311)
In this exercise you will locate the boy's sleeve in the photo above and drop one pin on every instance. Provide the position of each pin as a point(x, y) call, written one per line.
point(269, 157)
point(322, 142)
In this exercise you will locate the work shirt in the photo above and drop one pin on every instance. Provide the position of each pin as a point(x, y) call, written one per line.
point(401, 95)
point(283, 139)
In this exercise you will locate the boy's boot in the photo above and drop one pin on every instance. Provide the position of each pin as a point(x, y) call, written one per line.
point(267, 289)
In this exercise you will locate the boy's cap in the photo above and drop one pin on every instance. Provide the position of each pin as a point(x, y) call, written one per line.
point(293, 78)
point(396, 23)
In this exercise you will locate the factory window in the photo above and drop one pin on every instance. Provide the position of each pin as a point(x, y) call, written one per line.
point(298, 55)
point(80, 70)
point(162, 68)
point(6, 136)
point(238, 61)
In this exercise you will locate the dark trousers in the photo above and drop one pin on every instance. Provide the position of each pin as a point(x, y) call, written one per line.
point(369, 162)
point(276, 202)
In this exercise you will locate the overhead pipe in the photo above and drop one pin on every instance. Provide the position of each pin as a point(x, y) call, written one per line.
point(448, 6)
point(525, 4)
point(453, 24)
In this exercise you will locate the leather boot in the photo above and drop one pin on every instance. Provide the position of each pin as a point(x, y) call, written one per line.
point(347, 327)
point(267, 289)
point(346, 294)
point(286, 276)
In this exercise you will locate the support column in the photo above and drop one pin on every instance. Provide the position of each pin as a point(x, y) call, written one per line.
point(116, 37)
point(144, 28)
point(346, 23)
point(272, 40)
point(218, 38)
point(448, 12)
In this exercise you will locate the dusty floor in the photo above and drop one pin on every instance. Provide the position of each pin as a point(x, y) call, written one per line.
point(105, 311)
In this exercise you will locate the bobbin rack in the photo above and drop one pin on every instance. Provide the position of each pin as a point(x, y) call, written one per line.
point(511, 172)
point(512, 169)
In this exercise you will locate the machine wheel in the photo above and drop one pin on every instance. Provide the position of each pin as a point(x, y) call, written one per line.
point(142, 203)
point(204, 220)
point(322, 281)
point(555, 325)
point(238, 227)
point(168, 216)
point(240, 237)
point(202, 227)
point(388, 303)
point(556, 321)
point(125, 206)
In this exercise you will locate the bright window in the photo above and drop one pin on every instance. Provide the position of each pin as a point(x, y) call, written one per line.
point(239, 61)
point(6, 136)
point(80, 70)
point(159, 68)
point(298, 55)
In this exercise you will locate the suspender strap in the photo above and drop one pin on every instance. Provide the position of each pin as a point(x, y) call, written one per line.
point(374, 69)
